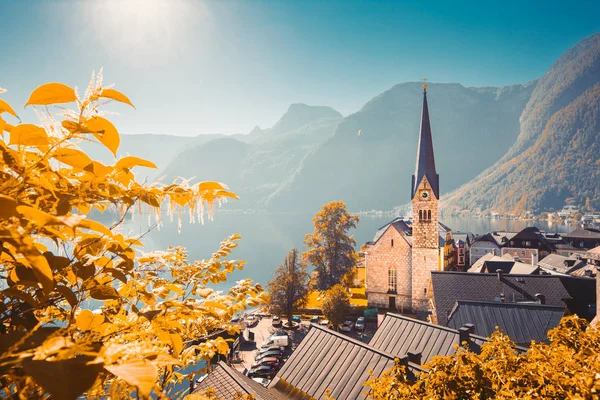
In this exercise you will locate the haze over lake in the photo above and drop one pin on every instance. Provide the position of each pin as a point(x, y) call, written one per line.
point(267, 237)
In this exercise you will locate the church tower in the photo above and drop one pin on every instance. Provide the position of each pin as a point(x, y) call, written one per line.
point(425, 194)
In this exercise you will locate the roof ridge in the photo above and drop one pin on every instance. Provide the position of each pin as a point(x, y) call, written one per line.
point(363, 344)
point(446, 328)
point(239, 378)
point(511, 304)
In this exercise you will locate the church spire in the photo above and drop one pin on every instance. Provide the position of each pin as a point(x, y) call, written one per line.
point(425, 159)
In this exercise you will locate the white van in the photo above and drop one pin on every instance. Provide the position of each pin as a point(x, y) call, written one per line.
point(276, 340)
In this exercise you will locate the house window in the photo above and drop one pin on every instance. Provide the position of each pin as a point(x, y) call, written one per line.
point(527, 243)
point(523, 252)
point(392, 279)
point(581, 245)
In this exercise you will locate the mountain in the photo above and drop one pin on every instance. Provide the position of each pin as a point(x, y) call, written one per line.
point(557, 153)
point(472, 128)
point(255, 165)
point(160, 149)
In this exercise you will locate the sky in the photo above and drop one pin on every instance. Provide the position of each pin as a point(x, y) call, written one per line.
point(193, 67)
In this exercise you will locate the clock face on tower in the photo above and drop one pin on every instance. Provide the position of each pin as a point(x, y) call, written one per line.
point(424, 195)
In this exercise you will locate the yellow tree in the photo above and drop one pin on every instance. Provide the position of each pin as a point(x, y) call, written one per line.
point(289, 288)
point(330, 248)
point(567, 367)
point(336, 304)
point(81, 308)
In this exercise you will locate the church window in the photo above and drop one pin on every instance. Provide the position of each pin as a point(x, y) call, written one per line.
point(392, 242)
point(392, 279)
point(420, 215)
point(428, 215)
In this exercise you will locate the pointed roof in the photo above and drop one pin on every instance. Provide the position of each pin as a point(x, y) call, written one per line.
point(425, 158)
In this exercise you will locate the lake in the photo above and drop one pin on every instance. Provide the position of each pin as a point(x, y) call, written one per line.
point(267, 237)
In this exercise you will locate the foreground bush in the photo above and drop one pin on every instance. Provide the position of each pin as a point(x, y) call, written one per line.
point(81, 309)
point(568, 367)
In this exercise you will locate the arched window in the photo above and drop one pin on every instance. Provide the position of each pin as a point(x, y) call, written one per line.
point(420, 215)
point(428, 215)
point(392, 242)
point(392, 279)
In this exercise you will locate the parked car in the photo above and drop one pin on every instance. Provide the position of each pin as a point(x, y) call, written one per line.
point(347, 326)
point(276, 321)
point(267, 354)
point(270, 348)
point(264, 371)
point(296, 319)
point(272, 361)
point(314, 320)
point(324, 322)
point(251, 320)
point(360, 324)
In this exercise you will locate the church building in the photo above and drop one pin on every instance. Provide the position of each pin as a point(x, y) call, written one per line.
point(403, 252)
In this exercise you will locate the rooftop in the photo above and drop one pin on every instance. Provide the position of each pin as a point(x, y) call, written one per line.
point(398, 335)
point(229, 382)
point(326, 359)
point(522, 322)
point(450, 287)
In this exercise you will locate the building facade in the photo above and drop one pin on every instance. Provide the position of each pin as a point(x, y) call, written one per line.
point(403, 253)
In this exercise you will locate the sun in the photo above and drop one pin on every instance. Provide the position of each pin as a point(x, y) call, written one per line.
point(138, 28)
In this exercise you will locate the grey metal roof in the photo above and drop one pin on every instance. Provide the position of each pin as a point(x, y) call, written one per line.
point(330, 360)
point(582, 233)
point(522, 322)
point(425, 165)
point(228, 382)
point(398, 335)
point(449, 287)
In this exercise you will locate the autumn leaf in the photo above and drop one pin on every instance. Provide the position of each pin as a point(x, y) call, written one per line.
point(95, 226)
point(138, 373)
point(103, 292)
point(116, 95)
point(74, 158)
point(87, 320)
point(130, 162)
point(28, 135)
point(64, 379)
point(5, 107)
point(8, 207)
point(67, 294)
point(51, 93)
point(105, 132)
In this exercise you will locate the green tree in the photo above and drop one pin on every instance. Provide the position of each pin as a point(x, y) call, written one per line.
point(336, 304)
point(567, 367)
point(289, 288)
point(330, 248)
point(82, 310)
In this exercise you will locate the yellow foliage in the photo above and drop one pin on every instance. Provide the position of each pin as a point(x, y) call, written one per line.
point(567, 367)
point(81, 310)
point(51, 93)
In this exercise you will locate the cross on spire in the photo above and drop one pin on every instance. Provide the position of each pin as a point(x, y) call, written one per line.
point(424, 85)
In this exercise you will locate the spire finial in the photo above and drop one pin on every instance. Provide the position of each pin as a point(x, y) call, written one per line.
point(424, 85)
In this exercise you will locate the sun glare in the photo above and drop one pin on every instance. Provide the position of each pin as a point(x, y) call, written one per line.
point(140, 27)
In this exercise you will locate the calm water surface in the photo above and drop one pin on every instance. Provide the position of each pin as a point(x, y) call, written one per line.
point(267, 237)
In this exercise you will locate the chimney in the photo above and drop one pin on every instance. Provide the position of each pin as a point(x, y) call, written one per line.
point(414, 357)
point(534, 259)
point(470, 327)
point(499, 273)
point(463, 334)
point(540, 298)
